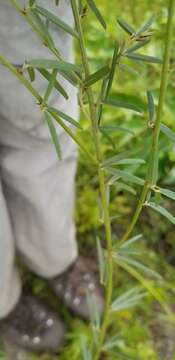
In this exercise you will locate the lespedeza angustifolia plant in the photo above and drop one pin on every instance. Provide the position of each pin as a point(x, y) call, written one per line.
point(115, 253)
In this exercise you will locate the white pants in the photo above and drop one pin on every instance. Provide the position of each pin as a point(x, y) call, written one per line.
point(36, 190)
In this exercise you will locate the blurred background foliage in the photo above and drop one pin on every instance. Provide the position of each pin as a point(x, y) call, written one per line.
point(141, 333)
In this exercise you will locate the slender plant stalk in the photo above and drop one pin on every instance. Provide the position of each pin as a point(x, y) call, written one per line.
point(101, 176)
point(151, 176)
point(163, 88)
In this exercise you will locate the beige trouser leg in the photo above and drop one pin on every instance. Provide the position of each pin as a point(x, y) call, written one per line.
point(8, 275)
point(39, 189)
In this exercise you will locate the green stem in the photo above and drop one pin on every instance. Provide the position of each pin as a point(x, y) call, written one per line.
point(21, 78)
point(40, 101)
point(101, 175)
point(92, 107)
point(109, 286)
point(163, 88)
point(151, 176)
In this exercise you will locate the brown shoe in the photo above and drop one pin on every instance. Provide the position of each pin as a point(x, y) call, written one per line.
point(33, 327)
point(72, 286)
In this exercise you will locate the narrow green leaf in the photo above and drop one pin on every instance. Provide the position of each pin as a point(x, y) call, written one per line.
point(126, 187)
point(109, 138)
point(112, 128)
point(97, 13)
point(168, 193)
point(129, 162)
point(80, 7)
point(47, 23)
point(50, 85)
point(101, 98)
point(146, 26)
point(162, 211)
point(111, 160)
point(126, 176)
point(136, 264)
point(52, 64)
point(70, 77)
point(64, 116)
point(144, 58)
point(168, 132)
point(129, 294)
point(131, 241)
point(129, 69)
point(151, 107)
point(98, 75)
point(112, 343)
point(113, 179)
point(43, 28)
point(157, 198)
point(147, 285)
point(137, 46)
point(129, 299)
point(57, 85)
point(128, 304)
point(93, 309)
point(125, 26)
point(56, 20)
point(53, 134)
point(84, 348)
point(31, 73)
point(112, 70)
point(131, 252)
point(122, 104)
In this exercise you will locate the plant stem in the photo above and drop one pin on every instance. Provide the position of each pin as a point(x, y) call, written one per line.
point(92, 107)
point(151, 176)
point(101, 176)
point(163, 88)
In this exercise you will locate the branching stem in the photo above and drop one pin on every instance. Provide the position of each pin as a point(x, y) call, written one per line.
point(151, 177)
point(101, 176)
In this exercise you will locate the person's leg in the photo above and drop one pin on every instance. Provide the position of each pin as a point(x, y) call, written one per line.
point(10, 286)
point(40, 195)
point(39, 188)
